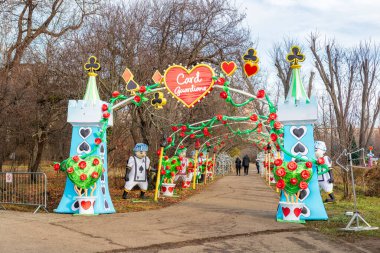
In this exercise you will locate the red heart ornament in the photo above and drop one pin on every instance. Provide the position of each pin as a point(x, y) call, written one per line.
point(251, 69)
point(85, 204)
point(228, 67)
point(171, 189)
point(189, 86)
point(163, 188)
point(297, 211)
point(286, 211)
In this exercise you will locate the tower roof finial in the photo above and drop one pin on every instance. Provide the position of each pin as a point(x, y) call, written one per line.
point(295, 56)
point(92, 65)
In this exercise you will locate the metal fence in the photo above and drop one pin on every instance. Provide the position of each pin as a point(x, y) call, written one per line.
point(24, 188)
point(223, 164)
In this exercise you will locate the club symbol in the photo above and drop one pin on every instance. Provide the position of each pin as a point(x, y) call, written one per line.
point(92, 65)
point(295, 56)
point(251, 56)
point(158, 100)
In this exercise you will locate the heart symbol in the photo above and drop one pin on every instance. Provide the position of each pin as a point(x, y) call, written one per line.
point(189, 86)
point(286, 211)
point(228, 67)
point(163, 188)
point(298, 132)
point(171, 189)
point(85, 132)
point(251, 69)
point(86, 176)
point(85, 204)
point(297, 211)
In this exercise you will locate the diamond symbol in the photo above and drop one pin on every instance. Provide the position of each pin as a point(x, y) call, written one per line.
point(127, 75)
point(157, 77)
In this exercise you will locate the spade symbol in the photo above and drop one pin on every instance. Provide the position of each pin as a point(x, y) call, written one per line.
point(141, 169)
point(299, 148)
point(84, 147)
point(76, 204)
point(106, 204)
point(101, 149)
point(103, 190)
point(132, 85)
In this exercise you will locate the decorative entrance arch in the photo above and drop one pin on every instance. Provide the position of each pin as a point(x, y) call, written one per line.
point(90, 118)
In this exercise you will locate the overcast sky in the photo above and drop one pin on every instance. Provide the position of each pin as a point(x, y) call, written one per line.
point(348, 21)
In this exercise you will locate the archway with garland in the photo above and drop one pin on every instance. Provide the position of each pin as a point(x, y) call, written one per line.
point(285, 135)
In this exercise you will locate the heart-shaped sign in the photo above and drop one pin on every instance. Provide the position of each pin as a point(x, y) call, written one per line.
point(297, 211)
point(228, 68)
point(85, 204)
point(163, 188)
point(298, 132)
point(171, 189)
point(251, 69)
point(84, 132)
point(286, 211)
point(189, 86)
point(83, 172)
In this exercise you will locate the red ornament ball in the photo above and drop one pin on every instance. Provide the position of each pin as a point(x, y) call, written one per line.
point(95, 162)
point(142, 89)
point(277, 125)
point(303, 185)
point(82, 165)
point(70, 170)
point(182, 134)
point(192, 136)
point(273, 137)
point(309, 164)
point(272, 116)
point(56, 166)
point(292, 165)
point(83, 177)
point(95, 174)
point(158, 152)
point(137, 99)
point(163, 172)
point(219, 117)
point(220, 81)
point(75, 158)
point(260, 94)
point(321, 160)
point(104, 107)
point(305, 174)
point(278, 162)
point(98, 141)
point(106, 115)
point(183, 128)
point(254, 117)
point(169, 139)
point(115, 94)
point(223, 95)
point(280, 184)
point(174, 128)
point(172, 174)
point(280, 172)
point(293, 181)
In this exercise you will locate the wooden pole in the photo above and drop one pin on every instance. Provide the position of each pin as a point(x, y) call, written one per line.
point(195, 167)
point(158, 174)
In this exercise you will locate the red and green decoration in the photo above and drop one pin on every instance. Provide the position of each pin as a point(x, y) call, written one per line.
point(83, 173)
point(170, 167)
point(292, 177)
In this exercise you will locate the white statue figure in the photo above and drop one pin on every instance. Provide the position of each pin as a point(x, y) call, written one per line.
point(183, 172)
point(325, 180)
point(137, 170)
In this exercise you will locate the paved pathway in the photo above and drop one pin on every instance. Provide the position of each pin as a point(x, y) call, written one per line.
point(235, 214)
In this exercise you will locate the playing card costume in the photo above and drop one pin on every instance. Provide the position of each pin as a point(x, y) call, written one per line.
point(326, 179)
point(137, 170)
point(183, 173)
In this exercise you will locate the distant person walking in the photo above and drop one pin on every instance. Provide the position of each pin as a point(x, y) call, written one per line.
point(258, 165)
point(246, 164)
point(238, 166)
